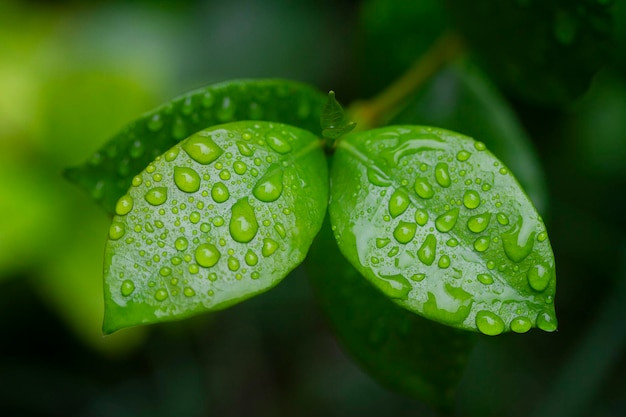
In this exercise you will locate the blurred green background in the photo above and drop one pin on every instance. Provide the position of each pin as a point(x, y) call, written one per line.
point(73, 73)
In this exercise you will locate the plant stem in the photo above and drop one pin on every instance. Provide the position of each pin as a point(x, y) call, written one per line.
point(379, 109)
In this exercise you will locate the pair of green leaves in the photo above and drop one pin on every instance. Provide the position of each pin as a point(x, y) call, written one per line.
point(428, 216)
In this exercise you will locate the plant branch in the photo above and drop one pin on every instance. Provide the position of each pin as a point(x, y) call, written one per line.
point(379, 109)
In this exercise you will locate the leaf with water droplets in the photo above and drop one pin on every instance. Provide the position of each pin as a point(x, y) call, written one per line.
point(109, 172)
point(194, 234)
point(474, 238)
point(401, 350)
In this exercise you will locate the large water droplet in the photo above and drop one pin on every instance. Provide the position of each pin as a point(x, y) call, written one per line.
point(202, 149)
point(426, 252)
point(421, 216)
point(156, 196)
point(243, 223)
point(269, 247)
point(277, 143)
point(489, 323)
point(207, 255)
point(546, 322)
point(471, 199)
point(127, 287)
point(186, 179)
point(446, 221)
point(423, 188)
point(405, 232)
point(270, 186)
point(479, 222)
point(442, 175)
point(481, 244)
point(382, 242)
point(518, 242)
point(124, 205)
point(399, 202)
point(539, 276)
point(219, 192)
point(116, 231)
point(521, 324)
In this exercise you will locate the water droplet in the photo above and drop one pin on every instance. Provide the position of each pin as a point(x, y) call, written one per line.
point(394, 286)
point(233, 263)
point(194, 217)
point(179, 129)
point(186, 179)
point(418, 277)
point(421, 216)
point(137, 149)
point(423, 188)
point(546, 322)
point(426, 252)
point(382, 242)
point(243, 223)
point(207, 255)
point(277, 143)
point(452, 242)
point(480, 146)
point(518, 242)
point(240, 168)
point(116, 231)
point(165, 271)
point(124, 205)
point(181, 243)
point(280, 229)
point(463, 156)
point(489, 323)
point(451, 306)
point(189, 292)
point(481, 244)
point(444, 262)
point(542, 236)
point(172, 154)
point(160, 294)
point(393, 252)
point(155, 123)
point(127, 287)
point(202, 149)
point(442, 175)
point(244, 149)
point(269, 247)
point(377, 178)
point(219, 192)
point(539, 276)
point(398, 203)
point(521, 324)
point(218, 221)
point(405, 232)
point(137, 180)
point(502, 219)
point(479, 222)
point(156, 196)
point(485, 279)
point(251, 258)
point(225, 174)
point(270, 186)
point(446, 221)
point(471, 199)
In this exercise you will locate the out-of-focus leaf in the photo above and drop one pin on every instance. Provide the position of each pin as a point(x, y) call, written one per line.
point(461, 98)
point(109, 172)
point(222, 216)
point(401, 350)
point(439, 225)
point(541, 50)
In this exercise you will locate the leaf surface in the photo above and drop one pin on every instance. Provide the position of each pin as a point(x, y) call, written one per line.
point(440, 226)
point(109, 171)
point(221, 216)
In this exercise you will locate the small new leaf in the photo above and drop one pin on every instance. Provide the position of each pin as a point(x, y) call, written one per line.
point(333, 120)
point(222, 216)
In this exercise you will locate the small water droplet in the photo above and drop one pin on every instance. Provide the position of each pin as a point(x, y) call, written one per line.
point(202, 149)
point(452, 242)
point(189, 292)
point(518, 242)
point(124, 205)
point(426, 252)
point(233, 264)
point(489, 323)
point(269, 247)
point(240, 168)
point(481, 244)
point(218, 221)
point(479, 222)
point(251, 258)
point(137, 180)
point(421, 216)
point(446, 221)
point(542, 236)
point(165, 271)
point(546, 322)
point(205, 228)
point(277, 143)
point(539, 276)
point(404, 232)
point(399, 202)
point(280, 229)
point(463, 156)
point(207, 255)
point(172, 154)
point(471, 199)
point(243, 223)
point(160, 295)
point(423, 188)
point(270, 186)
point(186, 179)
point(127, 287)
point(382, 242)
point(137, 149)
point(194, 217)
point(155, 123)
point(442, 175)
point(244, 149)
point(181, 243)
point(521, 324)
point(377, 178)
point(485, 279)
point(418, 277)
point(480, 146)
point(219, 192)
point(116, 231)
point(156, 196)
point(444, 262)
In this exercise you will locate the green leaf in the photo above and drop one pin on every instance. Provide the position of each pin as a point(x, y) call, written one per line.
point(109, 172)
point(333, 119)
point(222, 216)
point(440, 225)
point(401, 350)
point(546, 51)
